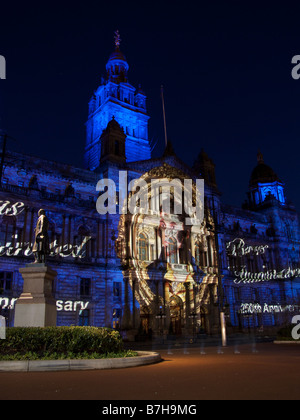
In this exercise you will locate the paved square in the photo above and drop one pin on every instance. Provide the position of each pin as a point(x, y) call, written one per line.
point(263, 371)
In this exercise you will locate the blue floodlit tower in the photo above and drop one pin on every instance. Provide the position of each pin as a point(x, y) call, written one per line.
point(265, 184)
point(117, 98)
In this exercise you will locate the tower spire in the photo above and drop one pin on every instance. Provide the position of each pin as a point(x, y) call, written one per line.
point(164, 114)
point(260, 158)
point(117, 39)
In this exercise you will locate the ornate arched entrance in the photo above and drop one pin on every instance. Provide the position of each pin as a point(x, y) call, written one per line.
point(176, 313)
point(160, 259)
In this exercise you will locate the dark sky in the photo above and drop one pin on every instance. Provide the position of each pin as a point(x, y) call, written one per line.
point(225, 66)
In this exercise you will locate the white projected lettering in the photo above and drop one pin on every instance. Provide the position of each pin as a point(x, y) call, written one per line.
point(61, 305)
point(256, 308)
point(8, 209)
point(245, 276)
point(16, 248)
point(2, 67)
point(238, 248)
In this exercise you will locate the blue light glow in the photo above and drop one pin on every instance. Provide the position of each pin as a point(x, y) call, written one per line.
point(115, 97)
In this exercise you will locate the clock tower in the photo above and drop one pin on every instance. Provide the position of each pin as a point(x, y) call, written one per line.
point(117, 98)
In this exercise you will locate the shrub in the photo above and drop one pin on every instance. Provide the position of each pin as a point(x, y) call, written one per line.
point(285, 333)
point(60, 341)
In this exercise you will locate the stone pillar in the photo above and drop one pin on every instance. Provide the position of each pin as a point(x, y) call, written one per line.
point(36, 307)
point(166, 294)
point(133, 305)
point(187, 305)
point(126, 324)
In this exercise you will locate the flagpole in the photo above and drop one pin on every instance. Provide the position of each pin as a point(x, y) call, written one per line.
point(164, 114)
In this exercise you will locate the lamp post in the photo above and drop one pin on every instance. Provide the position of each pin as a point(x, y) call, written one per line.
point(193, 316)
point(161, 316)
point(215, 229)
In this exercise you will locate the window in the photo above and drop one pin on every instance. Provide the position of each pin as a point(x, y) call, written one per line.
point(7, 229)
point(117, 148)
point(143, 247)
point(173, 251)
point(85, 287)
point(117, 289)
point(200, 255)
point(84, 232)
point(116, 318)
point(84, 318)
point(6, 278)
point(237, 294)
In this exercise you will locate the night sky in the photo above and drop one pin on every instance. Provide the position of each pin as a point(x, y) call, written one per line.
point(225, 66)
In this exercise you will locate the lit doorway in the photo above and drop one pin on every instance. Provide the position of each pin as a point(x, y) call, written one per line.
point(176, 307)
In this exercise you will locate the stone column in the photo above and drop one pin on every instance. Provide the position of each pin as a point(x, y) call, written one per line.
point(126, 324)
point(133, 305)
point(36, 307)
point(166, 294)
point(187, 304)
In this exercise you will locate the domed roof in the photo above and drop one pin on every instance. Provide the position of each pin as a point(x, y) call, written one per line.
point(263, 173)
point(117, 55)
point(117, 58)
point(113, 125)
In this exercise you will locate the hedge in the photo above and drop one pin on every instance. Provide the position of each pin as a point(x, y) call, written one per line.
point(285, 333)
point(38, 342)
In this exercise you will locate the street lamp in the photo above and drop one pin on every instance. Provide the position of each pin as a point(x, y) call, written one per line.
point(161, 316)
point(215, 229)
point(193, 316)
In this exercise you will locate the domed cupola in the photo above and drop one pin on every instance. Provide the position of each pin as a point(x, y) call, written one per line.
point(117, 66)
point(263, 173)
point(265, 185)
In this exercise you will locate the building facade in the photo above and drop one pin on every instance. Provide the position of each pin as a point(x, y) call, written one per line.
point(148, 273)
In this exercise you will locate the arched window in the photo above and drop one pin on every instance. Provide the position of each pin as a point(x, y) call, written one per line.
point(117, 148)
point(7, 229)
point(200, 256)
point(143, 247)
point(173, 258)
point(83, 232)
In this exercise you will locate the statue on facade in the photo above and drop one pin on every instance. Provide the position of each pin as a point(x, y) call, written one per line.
point(41, 244)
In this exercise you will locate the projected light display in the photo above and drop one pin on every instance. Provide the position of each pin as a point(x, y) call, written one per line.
point(166, 262)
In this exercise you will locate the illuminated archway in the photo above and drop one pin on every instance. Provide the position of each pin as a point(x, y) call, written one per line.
point(158, 251)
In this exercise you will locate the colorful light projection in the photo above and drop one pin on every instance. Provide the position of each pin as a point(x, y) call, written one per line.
point(256, 308)
point(144, 197)
point(61, 305)
point(9, 209)
point(244, 276)
point(238, 248)
point(158, 249)
point(16, 247)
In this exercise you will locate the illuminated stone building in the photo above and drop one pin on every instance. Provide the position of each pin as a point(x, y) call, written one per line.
point(148, 273)
point(260, 259)
point(116, 97)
